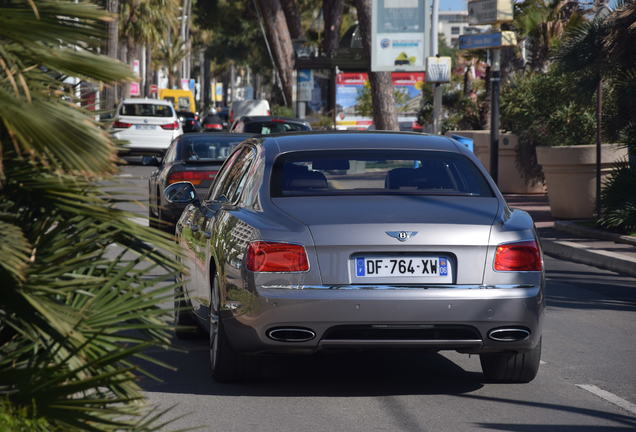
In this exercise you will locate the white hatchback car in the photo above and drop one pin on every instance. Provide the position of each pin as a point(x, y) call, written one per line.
point(149, 125)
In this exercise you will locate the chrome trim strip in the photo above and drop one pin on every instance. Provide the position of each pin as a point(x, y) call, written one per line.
point(402, 342)
point(395, 287)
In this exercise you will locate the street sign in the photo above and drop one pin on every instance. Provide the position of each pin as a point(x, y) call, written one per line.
point(134, 89)
point(489, 11)
point(305, 85)
point(487, 40)
point(438, 69)
point(399, 39)
point(153, 89)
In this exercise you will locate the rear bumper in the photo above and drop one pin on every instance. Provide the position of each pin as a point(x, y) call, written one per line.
point(250, 316)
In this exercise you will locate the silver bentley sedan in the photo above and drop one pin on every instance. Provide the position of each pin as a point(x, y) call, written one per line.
point(369, 240)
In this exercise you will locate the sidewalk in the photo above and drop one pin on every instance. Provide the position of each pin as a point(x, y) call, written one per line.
point(572, 242)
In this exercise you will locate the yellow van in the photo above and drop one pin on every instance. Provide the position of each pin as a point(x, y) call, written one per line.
point(181, 100)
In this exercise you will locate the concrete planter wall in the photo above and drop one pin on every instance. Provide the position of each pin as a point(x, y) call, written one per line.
point(510, 181)
point(570, 174)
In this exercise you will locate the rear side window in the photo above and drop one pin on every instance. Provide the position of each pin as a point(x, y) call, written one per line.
point(265, 128)
point(208, 147)
point(146, 110)
point(377, 172)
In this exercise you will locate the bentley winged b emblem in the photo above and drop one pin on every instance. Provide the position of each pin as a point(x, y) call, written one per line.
point(401, 235)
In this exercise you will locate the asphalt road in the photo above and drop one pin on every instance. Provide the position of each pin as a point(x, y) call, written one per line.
point(586, 383)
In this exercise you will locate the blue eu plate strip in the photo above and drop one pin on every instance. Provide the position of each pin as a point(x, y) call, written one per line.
point(359, 266)
point(443, 267)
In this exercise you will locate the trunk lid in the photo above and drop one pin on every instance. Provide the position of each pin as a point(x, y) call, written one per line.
point(345, 228)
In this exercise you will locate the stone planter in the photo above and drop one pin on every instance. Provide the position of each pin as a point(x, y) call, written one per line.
point(570, 175)
point(510, 181)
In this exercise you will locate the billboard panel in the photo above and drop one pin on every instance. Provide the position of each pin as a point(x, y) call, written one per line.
point(399, 35)
point(353, 98)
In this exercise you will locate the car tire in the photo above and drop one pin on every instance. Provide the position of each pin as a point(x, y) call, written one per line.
point(224, 361)
point(511, 367)
point(185, 325)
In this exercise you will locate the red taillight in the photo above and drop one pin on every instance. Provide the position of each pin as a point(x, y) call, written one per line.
point(522, 256)
point(215, 126)
point(269, 113)
point(276, 257)
point(170, 126)
point(194, 177)
point(121, 125)
point(416, 127)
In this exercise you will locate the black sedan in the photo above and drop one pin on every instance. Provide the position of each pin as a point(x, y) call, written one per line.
point(189, 121)
point(195, 158)
point(265, 125)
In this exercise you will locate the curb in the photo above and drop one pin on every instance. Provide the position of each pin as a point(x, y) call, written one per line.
point(583, 231)
point(598, 258)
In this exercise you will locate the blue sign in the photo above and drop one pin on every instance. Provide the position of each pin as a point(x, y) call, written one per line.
point(480, 41)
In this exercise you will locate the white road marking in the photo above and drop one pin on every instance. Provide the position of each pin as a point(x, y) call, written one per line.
point(542, 362)
point(610, 397)
point(140, 220)
point(124, 175)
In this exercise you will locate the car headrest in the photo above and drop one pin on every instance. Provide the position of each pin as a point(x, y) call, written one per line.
point(308, 180)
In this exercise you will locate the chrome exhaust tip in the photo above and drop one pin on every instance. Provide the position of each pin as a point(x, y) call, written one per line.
point(509, 334)
point(291, 334)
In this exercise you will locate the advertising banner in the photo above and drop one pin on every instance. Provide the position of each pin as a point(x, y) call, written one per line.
point(134, 89)
point(399, 35)
point(353, 98)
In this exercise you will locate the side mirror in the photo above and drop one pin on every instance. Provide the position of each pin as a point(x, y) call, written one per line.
point(181, 193)
point(150, 160)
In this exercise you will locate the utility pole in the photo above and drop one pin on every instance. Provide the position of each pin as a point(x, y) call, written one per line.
point(437, 87)
point(495, 80)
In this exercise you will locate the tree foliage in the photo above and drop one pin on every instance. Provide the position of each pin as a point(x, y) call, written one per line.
point(80, 287)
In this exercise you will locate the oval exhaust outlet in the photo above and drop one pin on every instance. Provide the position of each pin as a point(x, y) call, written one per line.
point(291, 334)
point(508, 334)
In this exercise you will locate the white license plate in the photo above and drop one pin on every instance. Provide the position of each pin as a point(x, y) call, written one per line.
point(145, 127)
point(402, 266)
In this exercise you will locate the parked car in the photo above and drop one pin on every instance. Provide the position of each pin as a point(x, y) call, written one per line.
point(405, 126)
point(264, 125)
point(213, 123)
point(189, 121)
point(318, 241)
point(254, 107)
point(149, 125)
point(195, 158)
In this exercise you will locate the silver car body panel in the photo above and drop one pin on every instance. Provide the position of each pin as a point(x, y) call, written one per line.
point(335, 229)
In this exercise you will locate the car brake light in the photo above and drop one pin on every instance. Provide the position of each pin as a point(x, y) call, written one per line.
point(415, 126)
point(170, 126)
point(216, 126)
point(121, 125)
point(194, 177)
point(276, 257)
point(521, 256)
point(276, 120)
point(269, 113)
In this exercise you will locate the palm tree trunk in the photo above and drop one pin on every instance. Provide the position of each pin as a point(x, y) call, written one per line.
point(332, 12)
point(280, 41)
point(384, 111)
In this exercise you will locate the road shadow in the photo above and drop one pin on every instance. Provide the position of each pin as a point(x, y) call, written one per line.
point(329, 374)
point(597, 289)
point(626, 422)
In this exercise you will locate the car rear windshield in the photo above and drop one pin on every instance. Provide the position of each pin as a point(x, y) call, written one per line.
point(377, 172)
point(207, 147)
point(270, 127)
point(146, 110)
